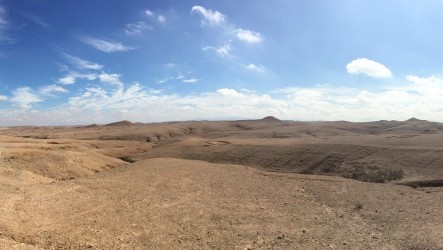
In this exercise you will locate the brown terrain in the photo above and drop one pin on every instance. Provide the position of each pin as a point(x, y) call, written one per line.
point(252, 184)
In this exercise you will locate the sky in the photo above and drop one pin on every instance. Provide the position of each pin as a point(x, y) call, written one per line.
point(101, 61)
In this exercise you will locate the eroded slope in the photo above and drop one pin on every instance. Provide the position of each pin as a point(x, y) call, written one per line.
point(172, 203)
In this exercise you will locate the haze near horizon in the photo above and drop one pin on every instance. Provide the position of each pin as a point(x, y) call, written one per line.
point(83, 62)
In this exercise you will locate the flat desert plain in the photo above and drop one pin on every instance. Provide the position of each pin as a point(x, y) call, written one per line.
point(250, 184)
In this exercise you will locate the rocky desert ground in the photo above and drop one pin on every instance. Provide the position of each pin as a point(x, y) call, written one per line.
point(251, 184)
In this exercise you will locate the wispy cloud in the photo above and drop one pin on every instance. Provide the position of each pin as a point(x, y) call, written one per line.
point(69, 79)
point(186, 78)
point(191, 80)
point(222, 51)
point(248, 36)
point(81, 63)
point(210, 17)
point(163, 80)
point(3, 21)
point(101, 99)
point(35, 19)
point(256, 68)
point(112, 79)
point(182, 76)
point(72, 77)
point(53, 88)
point(368, 67)
point(24, 97)
point(5, 26)
point(108, 46)
point(3, 98)
point(161, 19)
point(137, 28)
point(216, 18)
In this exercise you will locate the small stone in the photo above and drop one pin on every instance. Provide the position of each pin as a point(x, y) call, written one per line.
point(304, 231)
point(281, 236)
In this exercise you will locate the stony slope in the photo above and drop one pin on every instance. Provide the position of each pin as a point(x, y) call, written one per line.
point(172, 203)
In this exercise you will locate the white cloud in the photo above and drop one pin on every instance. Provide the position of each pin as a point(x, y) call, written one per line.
point(24, 97)
point(229, 92)
point(100, 99)
point(368, 67)
point(107, 46)
point(161, 18)
point(256, 68)
point(223, 51)
point(3, 98)
point(191, 80)
point(209, 16)
point(149, 13)
point(69, 79)
point(113, 79)
point(49, 89)
point(72, 77)
point(248, 36)
point(431, 87)
point(170, 65)
point(416, 97)
point(136, 28)
point(163, 107)
point(89, 77)
point(82, 64)
point(165, 80)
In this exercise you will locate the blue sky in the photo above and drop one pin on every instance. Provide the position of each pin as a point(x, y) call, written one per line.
point(81, 62)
